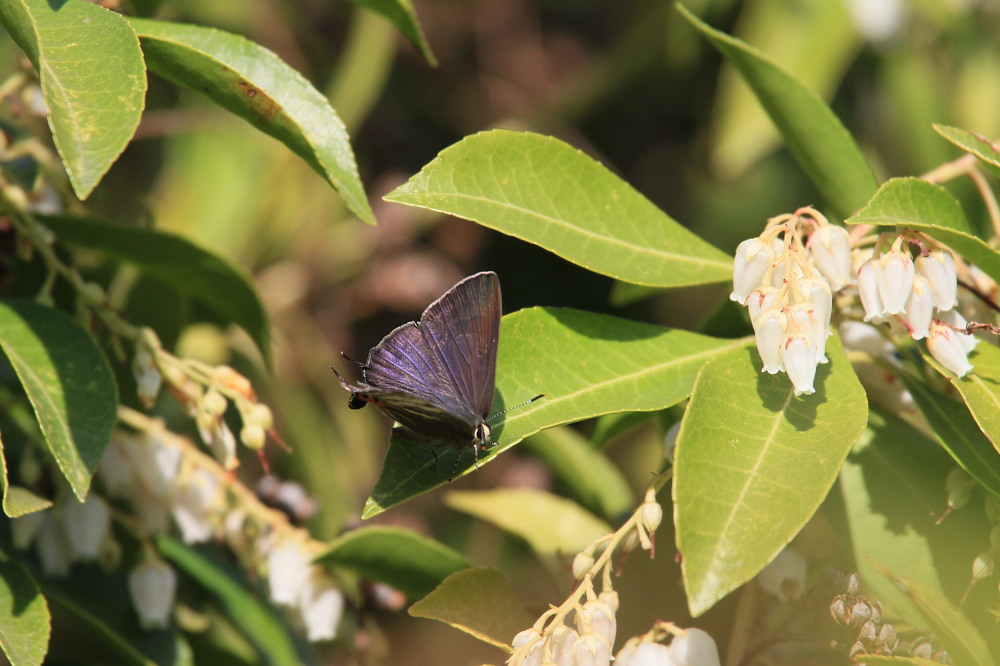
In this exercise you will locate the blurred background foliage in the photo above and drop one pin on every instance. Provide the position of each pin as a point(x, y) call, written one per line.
point(630, 83)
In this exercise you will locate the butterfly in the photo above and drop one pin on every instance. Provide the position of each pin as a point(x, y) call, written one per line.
point(436, 377)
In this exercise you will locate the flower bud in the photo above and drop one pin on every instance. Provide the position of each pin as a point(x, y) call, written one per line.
point(591, 650)
point(830, 250)
point(861, 613)
point(982, 566)
point(838, 610)
point(253, 437)
point(610, 597)
point(785, 576)
point(867, 633)
point(214, 403)
point(152, 586)
point(959, 497)
point(528, 649)
point(694, 647)
point(93, 294)
point(853, 584)
point(753, 258)
point(261, 415)
point(887, 637)
point(87, 524)
point(895, 280)
point(597, 617)
point(582, 564)
point(652, 514)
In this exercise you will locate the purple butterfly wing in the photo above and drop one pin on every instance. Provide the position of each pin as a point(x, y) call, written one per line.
point(448, 359)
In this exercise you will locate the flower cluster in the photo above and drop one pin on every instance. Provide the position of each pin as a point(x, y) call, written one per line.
point(590, 639)
point(787, 278)
point(167, 482)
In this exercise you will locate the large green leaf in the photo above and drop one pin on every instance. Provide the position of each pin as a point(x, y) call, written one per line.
point(24, 615)
point(556, 528)
point(957, 634)
point(480, 602)
point(586, 365)
point(546, 192)
point(888, 510)
point(582, 471)
point(253, 618)
point(816, 41)
point(973, 143)
point(958, 432)
point(220, 285)
point(92, 77)
point(753, 463)
point(916, 204)
point(402, 15)
point(101, 631)
point(255, 84)
point(411, 563)
point(68, 381)
point(814, 135)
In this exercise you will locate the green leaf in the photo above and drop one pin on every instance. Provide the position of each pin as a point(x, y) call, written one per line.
point(402, 15)
point(253, 618)
point(583, 472)
point(957, 432)
point(411, 563)
point(980, 388)
point(916, 204)
point(478, 601)
point(815, 136)
point(220, 285)
point(256, 85)
point(888, 510)
point(745, 484)
point(552, 526)
point(610, 426)
point(593, 364)
point(816, 41)
point(99, 630)
point(92, 77)
point(68, 381)
point(24, 615)
point(973, 143)
point(957, 634)
point(546, 192)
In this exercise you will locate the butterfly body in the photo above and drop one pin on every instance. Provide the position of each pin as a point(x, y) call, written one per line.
point(436, 377)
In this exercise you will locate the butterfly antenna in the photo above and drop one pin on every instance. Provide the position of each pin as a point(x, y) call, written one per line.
point(517, 406)
point(357, 363)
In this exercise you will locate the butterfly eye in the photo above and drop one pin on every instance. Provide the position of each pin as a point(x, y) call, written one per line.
point(483, 434)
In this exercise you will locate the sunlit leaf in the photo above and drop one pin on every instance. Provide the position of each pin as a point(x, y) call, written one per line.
point(813, 134)
point(980, 388)
point(586, 365)
point(256, 85)
point(546, 192)
point(478, 601)
point(24, 616)
point(92, 78)
point(916, 204)
point(972, 143)
point(411, 563)
point(68, 381)
point(745, 483)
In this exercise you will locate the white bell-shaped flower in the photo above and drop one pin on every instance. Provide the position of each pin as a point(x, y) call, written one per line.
point(525, 655)
point(858, 336)
point(780, 274)
point(155, 461)
point(817, 291)
point(871, 301)
point(694, 647)
point(812, 322)
point(761, 299)
point(830, 249)
point(52, 547)
point(769, 332)
point(87, 524)
point(919, 309)
point(952, 317)
point(753, 258)
point(193, 503)
point(591, 650)
point(644, 654)
point(895, 280)
point(785, 576)
point(321, 608)
point(561, 645)
point(947, 349)
point(288, 569)
point(939, 269)
point(798, 354)
point(152, 586)
point(115, 469)
point(598, 617)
